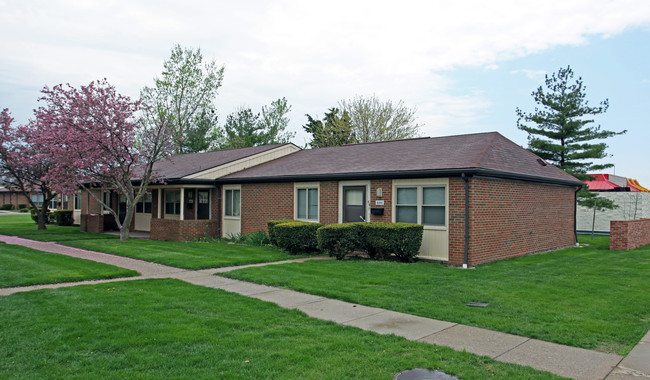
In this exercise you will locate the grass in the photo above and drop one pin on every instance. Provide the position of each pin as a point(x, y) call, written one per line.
point(22, 266)
point(188, 255)
point(586, 297)
point(146, 329)
point(23, 226)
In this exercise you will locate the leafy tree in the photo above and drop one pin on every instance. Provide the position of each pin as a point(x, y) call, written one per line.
point(184, 96)
point(275, 122)
point(562, 133)
point(26, 166)
point(333, 130)
point(374, 120)
point(95, 140)
point(245, 128)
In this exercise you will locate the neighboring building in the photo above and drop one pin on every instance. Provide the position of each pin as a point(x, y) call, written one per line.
point(187, 206)
point(632, 199)
point(12, 197)
point(517, 204)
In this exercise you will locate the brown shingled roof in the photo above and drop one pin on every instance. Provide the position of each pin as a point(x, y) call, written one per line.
point(180, 166)
point(481, 153)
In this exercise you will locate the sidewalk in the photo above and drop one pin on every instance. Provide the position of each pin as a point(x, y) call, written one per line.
point(562, 360)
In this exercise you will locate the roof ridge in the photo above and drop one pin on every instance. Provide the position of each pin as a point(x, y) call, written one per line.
point(488, 148)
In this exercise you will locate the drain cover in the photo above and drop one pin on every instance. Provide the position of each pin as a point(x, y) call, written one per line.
point(424, 374)
point(478, 304)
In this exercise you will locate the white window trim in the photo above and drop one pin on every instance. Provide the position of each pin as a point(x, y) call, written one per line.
point(173, 216)
point(223, 201)
point(305, 185)
point(419, 184)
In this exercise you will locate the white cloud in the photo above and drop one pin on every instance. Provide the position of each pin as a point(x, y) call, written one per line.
point(313, 53)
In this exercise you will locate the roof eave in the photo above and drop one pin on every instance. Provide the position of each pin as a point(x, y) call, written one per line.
point(403, 174)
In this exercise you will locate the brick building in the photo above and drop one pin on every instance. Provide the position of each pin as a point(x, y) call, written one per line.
point(480, 197)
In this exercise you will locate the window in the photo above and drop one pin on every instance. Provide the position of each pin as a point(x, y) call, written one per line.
point(65, 201)
point(54, 203)
point(172, 202)
point(144, 205)
point(37, 199)
point(232, 205)
point(77, 201)
point(307, 203)
point(421, 205)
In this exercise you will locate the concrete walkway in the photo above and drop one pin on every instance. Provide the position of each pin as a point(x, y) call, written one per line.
point(562, 360)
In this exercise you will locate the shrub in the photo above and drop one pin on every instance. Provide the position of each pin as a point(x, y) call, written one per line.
point(257, 238)
point(6, 206)
point(402, 239)
point(34, 214)
point(271, 224)
point(22, 206)
point(297, 237)
point(63, 217)
point(339, 239)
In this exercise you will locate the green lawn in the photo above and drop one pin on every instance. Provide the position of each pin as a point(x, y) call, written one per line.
point(22, 266)
point(189, 255)
point(170, 329)
point(587, 297)
point(23, 226)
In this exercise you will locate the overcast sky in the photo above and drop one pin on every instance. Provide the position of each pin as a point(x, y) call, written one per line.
point(465, 65)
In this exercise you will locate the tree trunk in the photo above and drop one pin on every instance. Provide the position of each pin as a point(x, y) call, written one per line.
point(40, 218)
point(125, 230)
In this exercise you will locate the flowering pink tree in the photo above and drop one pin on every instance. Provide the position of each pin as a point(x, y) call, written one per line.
point(26, 166)
point(98, 141)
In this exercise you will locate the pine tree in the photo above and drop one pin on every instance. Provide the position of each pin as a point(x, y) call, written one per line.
point(562, 131)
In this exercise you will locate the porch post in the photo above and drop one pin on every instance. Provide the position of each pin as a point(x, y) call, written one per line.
point(160, 195)
point(182, 203)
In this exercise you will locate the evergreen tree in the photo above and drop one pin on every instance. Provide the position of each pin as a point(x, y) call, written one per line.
point(333, 130)
point(245, 128)
point(562, 131)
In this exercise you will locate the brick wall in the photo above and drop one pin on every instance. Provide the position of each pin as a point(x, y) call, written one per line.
point(182, 230)
point(14, 198)
point(92, 223)
point(261, 202)
point(629, 234)
point(386, 186)
point(328, 203)
point(509, 218)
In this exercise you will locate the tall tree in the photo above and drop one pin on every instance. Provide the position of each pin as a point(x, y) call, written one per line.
point(26, 166)
point(562, 131)
point(244, 128)
point(333, 130)
point(274, 122)
point(97, 143)
point(374, 120)
point(184, 96)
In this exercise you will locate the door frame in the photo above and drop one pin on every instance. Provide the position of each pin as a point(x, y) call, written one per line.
point(352, 184)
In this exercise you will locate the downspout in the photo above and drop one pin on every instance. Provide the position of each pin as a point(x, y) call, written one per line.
point(575, 215)
point(466, 250)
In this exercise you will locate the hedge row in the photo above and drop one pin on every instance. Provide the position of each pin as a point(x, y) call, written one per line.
point(58, 217)
point(377, 239)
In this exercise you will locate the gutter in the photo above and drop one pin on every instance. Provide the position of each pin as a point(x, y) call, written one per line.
point(426, 173)
point(466, 249)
